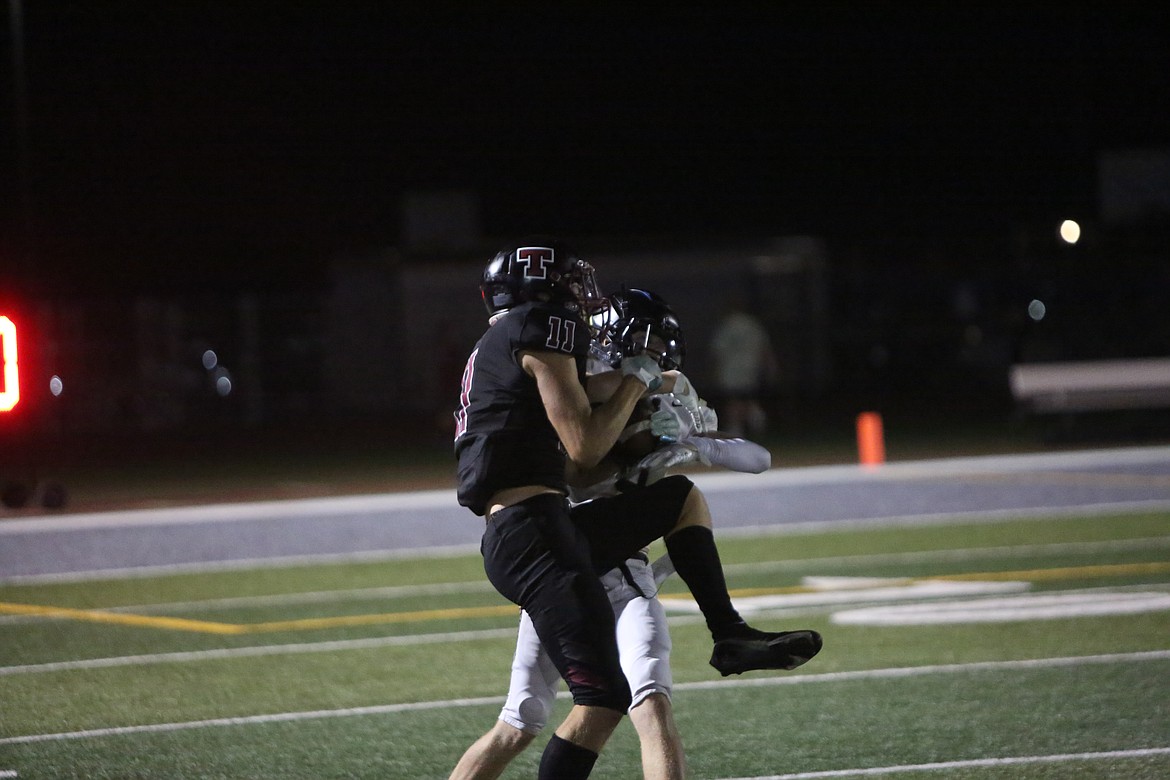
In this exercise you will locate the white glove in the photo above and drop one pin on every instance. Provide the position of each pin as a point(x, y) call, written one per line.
point(645, 368)
point(664, 425)
point(703, 418)
point(700, 418)
point(654, 466)
point(685, 391)
point(708, 420)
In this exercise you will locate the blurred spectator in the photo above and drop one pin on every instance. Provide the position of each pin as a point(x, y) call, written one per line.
point(745, 364)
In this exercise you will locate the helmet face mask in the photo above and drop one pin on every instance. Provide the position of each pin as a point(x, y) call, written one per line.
point(638, 322)
point(583, 284)
point(540, 270)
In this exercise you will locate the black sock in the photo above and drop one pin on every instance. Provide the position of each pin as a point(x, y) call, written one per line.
point(562, 760)
point(696, 559)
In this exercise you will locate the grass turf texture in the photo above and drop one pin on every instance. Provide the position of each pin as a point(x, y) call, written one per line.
point(841, 711)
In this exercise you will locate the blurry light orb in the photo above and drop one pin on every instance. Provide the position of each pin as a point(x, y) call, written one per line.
point(1037, 310)
point(223, 386)
point(210, 359)
point(1070, 231)
point(56, 385)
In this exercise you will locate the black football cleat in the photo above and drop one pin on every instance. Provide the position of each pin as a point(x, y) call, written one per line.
point(762, 650)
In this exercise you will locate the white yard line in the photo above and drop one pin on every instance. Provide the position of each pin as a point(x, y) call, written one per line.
point(231, 513)
point(957, 554)
point(280, 717)
point(1026, 606)
point(316, 597)
point(453, 551)
point(949, 518)
point(483, 586)
point(1054, 758)
point(194, 656)
point(799, 679)
point(478, 586)
point(241, 564)
point(935, 468)
point(387, 592)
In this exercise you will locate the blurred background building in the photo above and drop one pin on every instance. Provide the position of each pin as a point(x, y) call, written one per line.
point(386, 333)
point(267, 217)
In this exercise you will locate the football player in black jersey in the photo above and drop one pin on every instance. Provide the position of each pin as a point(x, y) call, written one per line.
point(524, 412)
point(679, 430)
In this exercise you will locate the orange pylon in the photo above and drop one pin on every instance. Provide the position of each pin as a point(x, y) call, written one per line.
point(871, 444)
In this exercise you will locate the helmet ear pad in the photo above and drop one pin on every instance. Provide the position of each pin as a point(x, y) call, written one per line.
point(497, 298)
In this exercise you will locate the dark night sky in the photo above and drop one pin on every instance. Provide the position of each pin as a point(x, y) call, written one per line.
point(199, 142)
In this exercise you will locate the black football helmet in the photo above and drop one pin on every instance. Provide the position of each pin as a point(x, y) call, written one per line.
point(540, 269)
point(641, 321)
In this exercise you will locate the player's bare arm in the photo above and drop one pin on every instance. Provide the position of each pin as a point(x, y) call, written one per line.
point(587, 432)
point(600, 387)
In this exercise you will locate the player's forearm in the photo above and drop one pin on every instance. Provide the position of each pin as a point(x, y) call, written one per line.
point(605, 423)
point(601, 387)
point(669, 380)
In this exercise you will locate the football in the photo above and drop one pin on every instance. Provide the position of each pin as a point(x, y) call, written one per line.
point(634, 444)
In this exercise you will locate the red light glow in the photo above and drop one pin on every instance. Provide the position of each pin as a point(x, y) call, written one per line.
point(11, 392)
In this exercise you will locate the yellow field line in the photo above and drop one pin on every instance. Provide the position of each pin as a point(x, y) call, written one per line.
point(339, 621)
point(309, 624)
point(124, 619)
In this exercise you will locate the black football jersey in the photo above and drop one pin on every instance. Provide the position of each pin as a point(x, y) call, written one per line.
point(503, 437)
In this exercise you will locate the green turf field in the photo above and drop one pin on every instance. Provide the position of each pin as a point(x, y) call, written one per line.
point(390, 669)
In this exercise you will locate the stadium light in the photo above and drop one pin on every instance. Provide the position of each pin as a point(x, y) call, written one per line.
point(1070, 231)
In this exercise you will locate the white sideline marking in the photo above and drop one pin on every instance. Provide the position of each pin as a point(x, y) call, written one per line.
point(1031, 606)
point(949, 518)
point(279, 717)
point(1041, 605)
point(231, 513)
point(4, 773)
point(921, 671)
point(257, 651)
point(445, 498)
point(379, 593)
point(252, 651)
point(320, 597)
point(959, 554)
point(974, 762)
point(924, 589)
point(458, 550)
point(830, 677)
point(237, 564)
point(934, 468)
